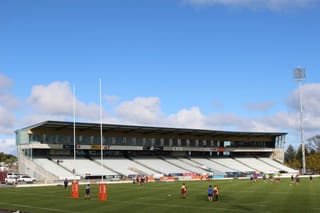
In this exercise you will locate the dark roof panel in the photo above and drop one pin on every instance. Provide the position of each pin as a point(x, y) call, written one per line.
point(146, 129)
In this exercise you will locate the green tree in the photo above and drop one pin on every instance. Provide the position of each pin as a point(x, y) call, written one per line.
point(313, 162)
point(7, 158)
point(290, 154)
point(299, 152)
point(295, 163)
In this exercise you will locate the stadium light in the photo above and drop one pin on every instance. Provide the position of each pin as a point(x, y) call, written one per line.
point(299, 74)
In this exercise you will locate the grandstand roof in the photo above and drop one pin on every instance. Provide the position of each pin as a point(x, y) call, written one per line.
point(125, 129)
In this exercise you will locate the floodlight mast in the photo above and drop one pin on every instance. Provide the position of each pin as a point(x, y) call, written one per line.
point(101, 136)
point(299, 74)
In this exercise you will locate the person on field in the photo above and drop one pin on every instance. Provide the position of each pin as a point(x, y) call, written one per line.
point(65, 182)
point(87, 192)
point(216, 192)
point(297, 178)
point(184, 190)
point(210, 193)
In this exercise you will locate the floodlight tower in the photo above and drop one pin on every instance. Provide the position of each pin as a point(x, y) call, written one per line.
point(299, 74)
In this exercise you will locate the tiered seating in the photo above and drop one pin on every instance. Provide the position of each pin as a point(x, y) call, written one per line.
point(187, 164)
point(53, 168)
point(160, 165)
point(258, 165)
point(216, 168)
point(126, 166)
point(114, 166)
point(193, 163)
point(233, 164)
point(277, 165)
point(85, 167)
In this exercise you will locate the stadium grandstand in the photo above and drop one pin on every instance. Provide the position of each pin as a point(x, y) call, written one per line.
point(54, 150)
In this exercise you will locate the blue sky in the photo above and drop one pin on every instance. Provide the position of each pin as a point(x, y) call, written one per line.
point(209, 64)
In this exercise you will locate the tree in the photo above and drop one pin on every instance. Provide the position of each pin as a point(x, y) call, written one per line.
point(314, 144)
point(7, 158)
point(313, 162)
point(290, 154)
point(299, 152)
point(295, 163)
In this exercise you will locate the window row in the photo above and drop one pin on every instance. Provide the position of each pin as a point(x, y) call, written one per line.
point(126, 141)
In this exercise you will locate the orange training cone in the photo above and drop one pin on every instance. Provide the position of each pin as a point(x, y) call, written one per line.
point(75, 190)
point(103, 191)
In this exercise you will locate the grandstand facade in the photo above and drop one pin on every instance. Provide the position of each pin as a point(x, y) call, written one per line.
point(54, 150)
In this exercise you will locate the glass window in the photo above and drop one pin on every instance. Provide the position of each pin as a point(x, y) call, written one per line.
point(119, 140)
point(184, 142)
point(139, 141)
point(196, 144)
point(131, 141)
point(157, 142)
point(167, 142)
point(148, 142)
point(175, 142)
point(124, 140)
point(84, 140)
point(203, 143)
point(108, 140)
point(51, 139)
point(144, 142)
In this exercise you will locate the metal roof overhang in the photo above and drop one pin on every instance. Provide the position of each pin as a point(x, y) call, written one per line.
point(59, 125)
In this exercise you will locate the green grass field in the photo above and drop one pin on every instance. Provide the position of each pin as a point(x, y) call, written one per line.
point(235, 196)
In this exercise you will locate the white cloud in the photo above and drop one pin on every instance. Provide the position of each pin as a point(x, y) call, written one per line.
point(274, 5)
point(310, 99)
point(226, 121)
point(140, 111)
point(260, 106)
point(7, 120)
point(311, 110)
point(8, 146)
point(187, 118)
point(56, 100)
point(261, 126)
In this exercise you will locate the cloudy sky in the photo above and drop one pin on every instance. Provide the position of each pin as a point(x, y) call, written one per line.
point(205, 64)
